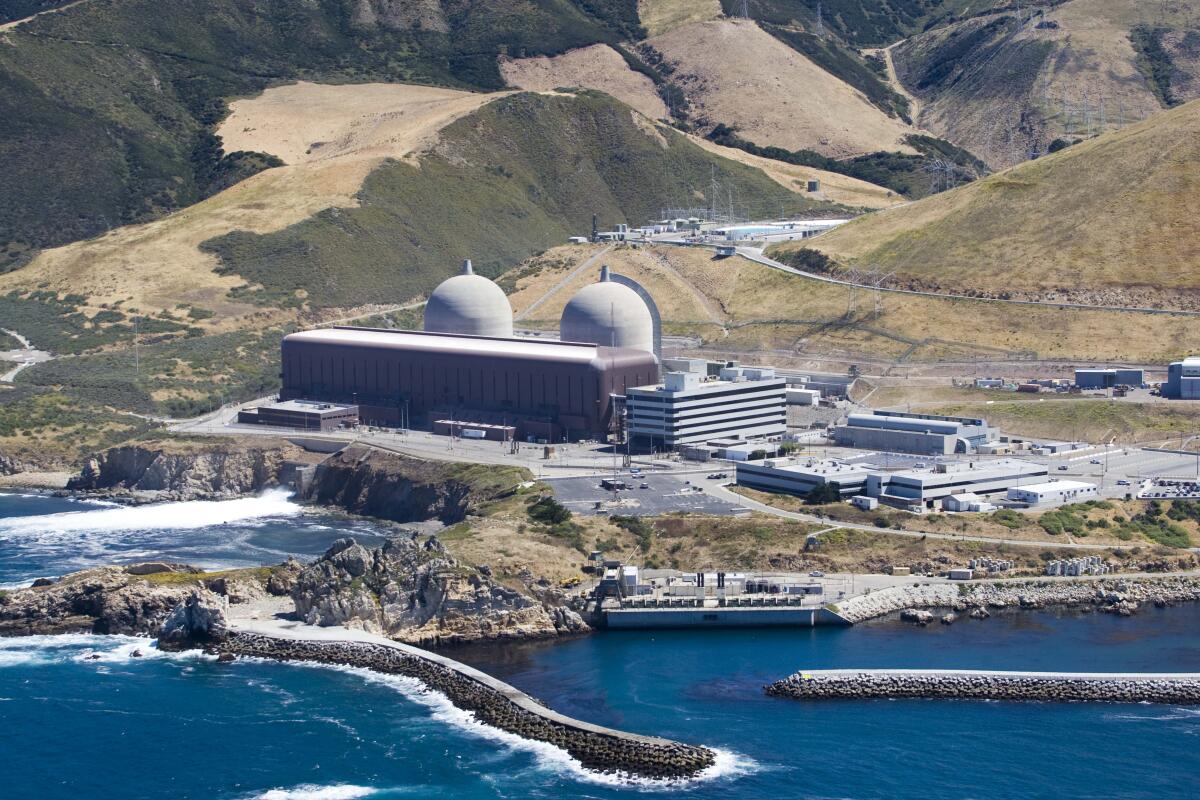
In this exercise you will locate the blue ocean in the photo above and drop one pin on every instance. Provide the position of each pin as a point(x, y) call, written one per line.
point(184, 726)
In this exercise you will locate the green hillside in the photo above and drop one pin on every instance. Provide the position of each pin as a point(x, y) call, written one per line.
point(514, 178)
point(106, 108)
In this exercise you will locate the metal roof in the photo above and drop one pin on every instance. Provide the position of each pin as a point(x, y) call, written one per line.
point(449, 343)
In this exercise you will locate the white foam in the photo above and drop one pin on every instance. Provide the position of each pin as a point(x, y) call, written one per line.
point(312, 791)
point(727, 765)
point(85, 648)
point(188, 515)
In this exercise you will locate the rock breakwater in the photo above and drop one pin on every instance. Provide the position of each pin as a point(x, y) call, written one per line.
point(1115, 595)
point(1180, 689)
point(492, 702)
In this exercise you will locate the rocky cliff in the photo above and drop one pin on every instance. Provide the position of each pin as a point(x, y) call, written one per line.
point(378, 483)
point(413, 591)
point(184, 469)
point(136, 599)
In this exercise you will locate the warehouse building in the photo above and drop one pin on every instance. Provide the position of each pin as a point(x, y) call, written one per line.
point(923, 434)
point(467, 367)
point(305, 415)
point(911, 489)
point(744, 403)
point(799, 476)
point(1053, 493)
point(1183, 380)
point(1108, 378)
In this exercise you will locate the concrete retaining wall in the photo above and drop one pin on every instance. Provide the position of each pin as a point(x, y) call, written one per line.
point(638, 618)
point(492, 701)
point(1177, 688)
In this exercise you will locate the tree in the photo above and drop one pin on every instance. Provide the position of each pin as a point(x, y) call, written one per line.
point(824, 493)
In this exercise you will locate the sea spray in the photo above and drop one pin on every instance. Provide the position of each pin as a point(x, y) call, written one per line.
point(187, 515)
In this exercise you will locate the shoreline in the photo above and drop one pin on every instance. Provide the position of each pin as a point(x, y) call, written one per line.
point(1109, 593)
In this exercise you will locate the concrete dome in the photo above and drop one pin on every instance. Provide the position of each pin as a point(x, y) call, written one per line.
point(608, 314)
point(469, 304)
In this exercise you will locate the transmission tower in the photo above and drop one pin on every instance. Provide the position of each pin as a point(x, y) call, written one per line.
point(744, 11)
point(820, 21)
point(853, 281)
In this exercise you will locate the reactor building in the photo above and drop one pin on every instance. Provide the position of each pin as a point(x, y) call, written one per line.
point(467, 367)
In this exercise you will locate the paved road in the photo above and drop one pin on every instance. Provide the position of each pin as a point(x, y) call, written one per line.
point(757, 256)
point(722, 493)
point(25, 357)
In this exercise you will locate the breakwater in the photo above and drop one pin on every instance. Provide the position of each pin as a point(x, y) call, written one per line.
point(1176, 688)
point(1114, 594)
point(493, 703)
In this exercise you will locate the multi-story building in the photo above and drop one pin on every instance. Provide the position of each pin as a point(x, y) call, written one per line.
point(901, 432)
point(745, 403)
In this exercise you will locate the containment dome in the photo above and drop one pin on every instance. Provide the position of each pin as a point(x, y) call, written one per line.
point(469, 304)
point(608, 314)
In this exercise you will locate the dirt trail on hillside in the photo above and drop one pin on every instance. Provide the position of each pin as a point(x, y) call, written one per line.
point(735, 72)
point(8, 26)
point(158, 265)
point(596, 67)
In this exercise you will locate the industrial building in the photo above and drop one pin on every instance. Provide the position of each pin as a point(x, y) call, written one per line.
point(744, 403)
point(467, 367)
point(902, 432)
point(1108, 378)
point(912, 489)
point(1053, 493)
point(305, 415)
point(1183, 380)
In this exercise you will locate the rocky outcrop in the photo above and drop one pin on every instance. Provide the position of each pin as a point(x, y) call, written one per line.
point(1114, 595)
point(979, 685)
point(493, 703)
point(378, 483)
point(199, 619)
point(132, 600)
point(188, 470)
point(413, 591)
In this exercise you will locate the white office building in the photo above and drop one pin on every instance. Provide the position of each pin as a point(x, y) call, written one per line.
point(1053, 493)
point(745, 403)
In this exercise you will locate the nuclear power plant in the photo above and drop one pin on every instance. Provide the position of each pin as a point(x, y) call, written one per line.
point(466, 368)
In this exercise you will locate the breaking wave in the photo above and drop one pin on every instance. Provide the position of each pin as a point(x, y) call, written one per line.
point(84, 648)
point(158, 516)
point(728, 765)
point(312, 791)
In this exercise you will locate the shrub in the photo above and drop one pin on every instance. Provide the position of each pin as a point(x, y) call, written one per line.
point(825, 493)
point(549, 511)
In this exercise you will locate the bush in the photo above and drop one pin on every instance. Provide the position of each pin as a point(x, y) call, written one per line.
point(825, 493)
point(549, 511)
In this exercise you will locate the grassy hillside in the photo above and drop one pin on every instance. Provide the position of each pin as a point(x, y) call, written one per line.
point(136, 87)
point(1008, 85)
point(516, 177)
point(735, 305)
point(1112, 220)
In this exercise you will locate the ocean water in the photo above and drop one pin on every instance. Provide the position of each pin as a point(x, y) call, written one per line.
point(42, 535)
point(184, 726)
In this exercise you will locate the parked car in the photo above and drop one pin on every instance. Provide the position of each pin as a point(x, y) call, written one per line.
point(816, 573)
point(1095, 461)
point(1122, 483)
point(644, 486)
point(1063, 467)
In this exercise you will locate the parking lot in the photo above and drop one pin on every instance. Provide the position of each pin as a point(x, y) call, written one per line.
point(662, 494)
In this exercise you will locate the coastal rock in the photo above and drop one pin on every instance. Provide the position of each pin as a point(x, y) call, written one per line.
point(916, 616)
point(979, 613)
point(283, 579)
point(114, 600)
point(413, 591)
point(200, 618)
point(182, 469)
point(101, 600)
point(378, 483)
point(949, 619)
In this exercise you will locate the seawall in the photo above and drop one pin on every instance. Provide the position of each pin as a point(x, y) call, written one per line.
point(1108, 593)
point(492, 701)
point(1176, 688)
point(756, 617)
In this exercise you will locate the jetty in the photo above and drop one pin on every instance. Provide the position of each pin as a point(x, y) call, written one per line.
point(492, 701)
point(965, 684)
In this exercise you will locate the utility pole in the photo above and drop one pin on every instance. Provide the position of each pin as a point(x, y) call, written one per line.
point(137, 356)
